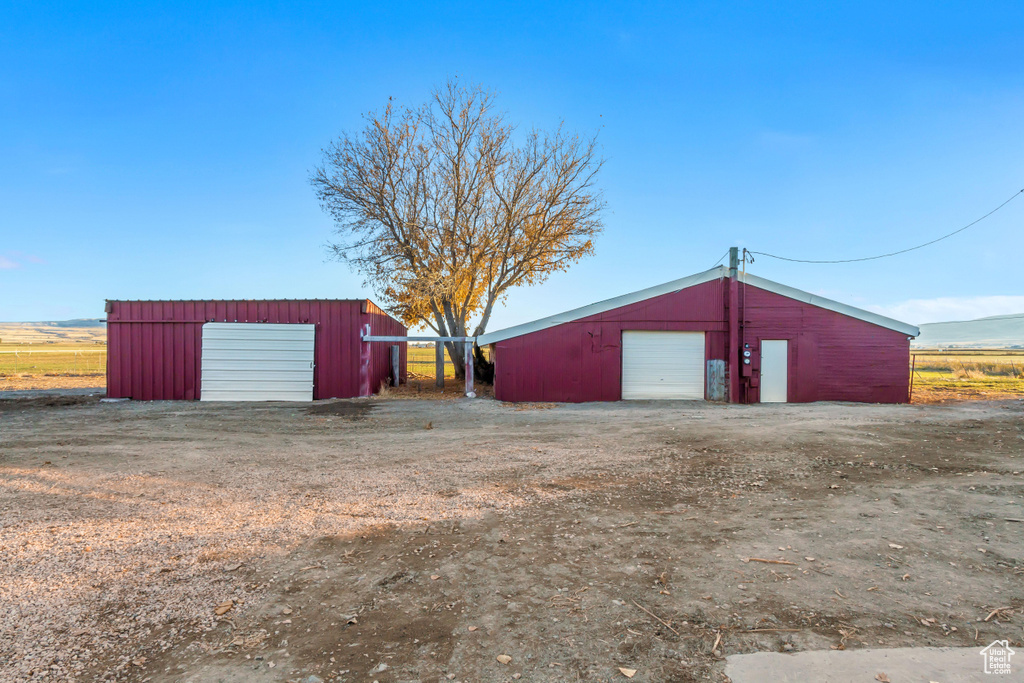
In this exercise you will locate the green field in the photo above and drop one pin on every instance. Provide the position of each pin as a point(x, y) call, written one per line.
point(53, 359)
point(420, 362)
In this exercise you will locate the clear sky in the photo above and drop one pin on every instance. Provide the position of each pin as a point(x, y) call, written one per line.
point(162, 150)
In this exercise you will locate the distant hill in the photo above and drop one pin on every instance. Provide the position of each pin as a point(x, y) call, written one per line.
point(997, 332)
point(77, 322)
point(54, 331)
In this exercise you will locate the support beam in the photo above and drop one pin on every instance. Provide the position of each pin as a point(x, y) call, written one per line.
point(395, 338)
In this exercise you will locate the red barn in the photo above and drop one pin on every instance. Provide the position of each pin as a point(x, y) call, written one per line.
point(247, 350)
point(711, 336)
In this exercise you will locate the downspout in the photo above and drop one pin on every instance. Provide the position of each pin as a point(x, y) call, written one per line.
point(734, 327)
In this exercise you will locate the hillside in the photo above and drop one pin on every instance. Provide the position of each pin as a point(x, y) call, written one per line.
point(996, 332)
point(58, 331)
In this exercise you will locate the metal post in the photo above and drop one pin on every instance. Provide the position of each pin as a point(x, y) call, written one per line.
point(734, 328)
point(396, 358)
point(469, 370)
point(439, 364)
point(913, 369)
point(364, 365)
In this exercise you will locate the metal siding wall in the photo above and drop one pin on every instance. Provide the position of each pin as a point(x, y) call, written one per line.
point(380, 352)
point(154, 347)
point(833, 357)
point(582, 360)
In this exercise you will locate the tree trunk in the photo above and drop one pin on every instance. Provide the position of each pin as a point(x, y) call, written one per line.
point(483, 369)
point(457, 355)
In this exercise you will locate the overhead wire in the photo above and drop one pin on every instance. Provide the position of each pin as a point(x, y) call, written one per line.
point(721, 259)
point(892, 253)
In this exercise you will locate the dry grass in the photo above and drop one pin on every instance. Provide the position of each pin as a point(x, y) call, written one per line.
point(967, 375)
point(52, 360)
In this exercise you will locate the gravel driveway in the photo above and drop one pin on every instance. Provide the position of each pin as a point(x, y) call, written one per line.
point(188, 541)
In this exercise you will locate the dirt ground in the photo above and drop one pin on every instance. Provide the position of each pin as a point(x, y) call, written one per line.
point(418, 540)
point(53, 382)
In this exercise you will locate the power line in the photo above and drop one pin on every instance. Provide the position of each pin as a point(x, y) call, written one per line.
point(893, 253)
point(721, 259)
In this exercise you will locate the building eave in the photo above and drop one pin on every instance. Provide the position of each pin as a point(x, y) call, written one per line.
point(603, 306)
point(829, 304)
point(716, 273)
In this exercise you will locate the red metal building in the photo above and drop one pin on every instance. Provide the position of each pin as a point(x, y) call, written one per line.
point(710, 336)
point(155, 349)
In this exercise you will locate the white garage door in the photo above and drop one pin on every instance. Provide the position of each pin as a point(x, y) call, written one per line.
point(257, 362)
point(662, 365)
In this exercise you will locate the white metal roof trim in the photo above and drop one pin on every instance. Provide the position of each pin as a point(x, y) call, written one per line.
point(602, 306)
point(691, 281)
point(829, 304)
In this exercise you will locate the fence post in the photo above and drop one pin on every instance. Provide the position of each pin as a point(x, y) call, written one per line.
point(439, 364)
point(364, 364)
point(913, 370)
point(469, 370)
point(396, 356)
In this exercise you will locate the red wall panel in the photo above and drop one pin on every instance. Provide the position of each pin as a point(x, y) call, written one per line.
point(832, 357)
point(154, 347)
point(582, 360)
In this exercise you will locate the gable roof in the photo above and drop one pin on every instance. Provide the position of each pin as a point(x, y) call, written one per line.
point(700, 278)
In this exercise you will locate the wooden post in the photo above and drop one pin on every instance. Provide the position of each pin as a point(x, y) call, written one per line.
point(439, 364)
point(469, 370)
point(396, 358)
point(913, 369)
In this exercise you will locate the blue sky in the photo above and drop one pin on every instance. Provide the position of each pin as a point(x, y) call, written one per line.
point(162, 150)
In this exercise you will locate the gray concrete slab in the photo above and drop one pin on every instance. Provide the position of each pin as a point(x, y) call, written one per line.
point(900, 665)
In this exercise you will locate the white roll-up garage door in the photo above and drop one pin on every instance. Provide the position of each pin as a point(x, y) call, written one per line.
point(257, 362)
point(662, 365)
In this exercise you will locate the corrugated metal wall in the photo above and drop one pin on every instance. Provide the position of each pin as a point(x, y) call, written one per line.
point(582, 360)
point(154, 347)
point(831, 356)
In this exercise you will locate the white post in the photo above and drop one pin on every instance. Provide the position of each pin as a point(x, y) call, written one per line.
point(469, 370)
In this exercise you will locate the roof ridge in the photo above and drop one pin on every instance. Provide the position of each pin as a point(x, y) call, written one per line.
point(715, 273)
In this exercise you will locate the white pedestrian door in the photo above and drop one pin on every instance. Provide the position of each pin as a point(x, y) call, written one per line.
point(257, 362)
point(662, 365)
point(774, 370)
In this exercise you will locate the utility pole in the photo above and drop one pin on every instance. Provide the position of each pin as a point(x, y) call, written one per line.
point(734, 327)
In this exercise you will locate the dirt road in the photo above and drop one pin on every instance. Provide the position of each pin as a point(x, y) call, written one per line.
point(419, 540)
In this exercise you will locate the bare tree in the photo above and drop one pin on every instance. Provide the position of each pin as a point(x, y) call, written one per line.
point(444, 208)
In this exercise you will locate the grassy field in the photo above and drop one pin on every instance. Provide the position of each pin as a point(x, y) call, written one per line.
point(421, 362)
point(53, 359)
point(951, 374)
